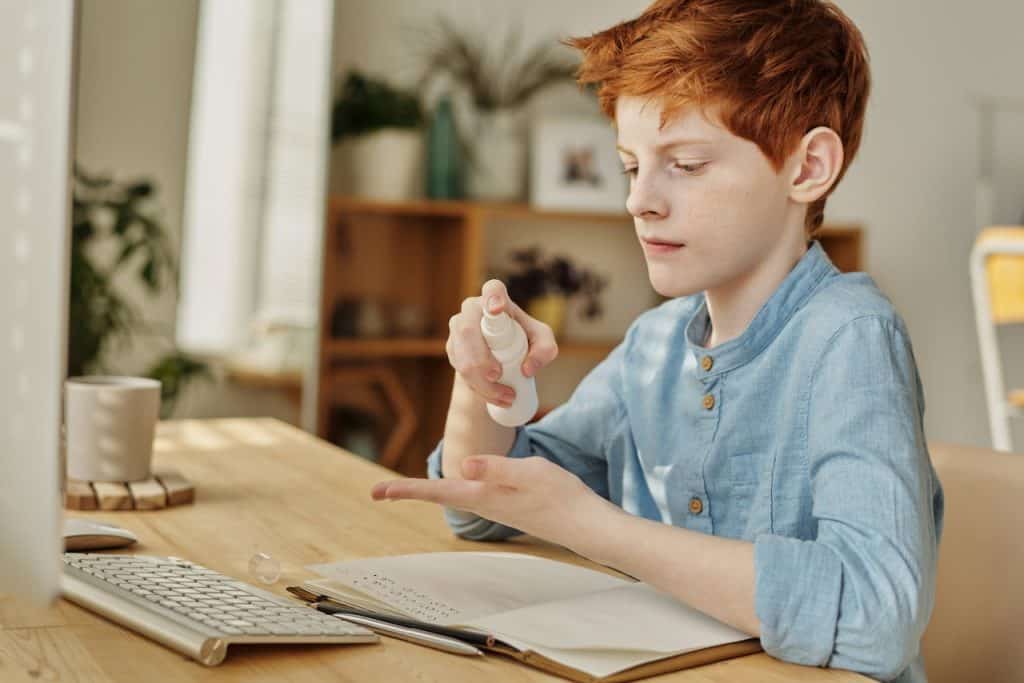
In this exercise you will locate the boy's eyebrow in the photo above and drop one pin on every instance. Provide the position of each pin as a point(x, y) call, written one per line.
point(678, 142)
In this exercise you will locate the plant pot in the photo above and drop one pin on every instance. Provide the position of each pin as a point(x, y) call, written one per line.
point(386, 164)
point(549, 309)
point(497, 171)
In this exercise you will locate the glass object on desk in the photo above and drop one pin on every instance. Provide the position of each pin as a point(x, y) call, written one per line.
point(264, 567)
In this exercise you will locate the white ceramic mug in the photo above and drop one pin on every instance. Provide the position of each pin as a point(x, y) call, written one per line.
point(110, 423)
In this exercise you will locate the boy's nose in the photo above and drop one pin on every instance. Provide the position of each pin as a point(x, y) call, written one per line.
point(644, 201)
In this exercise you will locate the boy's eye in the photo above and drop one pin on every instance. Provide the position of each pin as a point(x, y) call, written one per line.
point(692, 168)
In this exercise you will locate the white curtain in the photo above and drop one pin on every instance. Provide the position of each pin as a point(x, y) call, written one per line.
point(255, 191)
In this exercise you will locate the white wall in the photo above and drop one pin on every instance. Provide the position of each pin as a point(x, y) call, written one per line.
point(134, 92)
point(911, 186)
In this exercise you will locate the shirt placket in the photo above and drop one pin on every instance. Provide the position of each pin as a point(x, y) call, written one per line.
point(706, 404)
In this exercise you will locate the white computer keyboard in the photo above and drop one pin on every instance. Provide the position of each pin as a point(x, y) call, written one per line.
point(192, 609)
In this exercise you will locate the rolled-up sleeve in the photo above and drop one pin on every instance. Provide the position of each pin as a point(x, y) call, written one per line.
point(858, 595)
point(573, 436)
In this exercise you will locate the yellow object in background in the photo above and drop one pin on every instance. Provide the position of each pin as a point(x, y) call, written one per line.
point(1005, 276)
point(550, 309)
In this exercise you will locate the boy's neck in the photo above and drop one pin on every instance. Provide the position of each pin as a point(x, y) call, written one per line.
point(733, 306)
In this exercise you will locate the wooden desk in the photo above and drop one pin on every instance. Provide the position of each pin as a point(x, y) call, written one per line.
point(261, 484)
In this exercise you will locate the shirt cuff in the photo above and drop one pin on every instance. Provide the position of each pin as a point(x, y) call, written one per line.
point(797, 590)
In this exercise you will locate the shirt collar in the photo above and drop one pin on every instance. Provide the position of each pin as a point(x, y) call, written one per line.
point(813, 267)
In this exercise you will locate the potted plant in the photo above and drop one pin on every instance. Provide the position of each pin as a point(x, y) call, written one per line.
point(543, 286)
point(498, 83)
point(114, 236)
point(376, 130)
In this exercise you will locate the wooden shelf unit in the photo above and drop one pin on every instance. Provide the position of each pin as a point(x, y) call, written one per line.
point(384, 348)
point(429, 253)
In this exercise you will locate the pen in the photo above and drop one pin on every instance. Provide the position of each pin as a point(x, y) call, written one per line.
point(434, 640)
point(326, 606)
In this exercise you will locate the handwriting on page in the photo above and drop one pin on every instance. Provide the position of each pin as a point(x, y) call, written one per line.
point(409, 600)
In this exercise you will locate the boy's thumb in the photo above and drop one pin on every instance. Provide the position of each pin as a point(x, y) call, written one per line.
point(495, 303)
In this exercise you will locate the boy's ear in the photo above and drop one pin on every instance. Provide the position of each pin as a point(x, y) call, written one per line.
point(817, 163)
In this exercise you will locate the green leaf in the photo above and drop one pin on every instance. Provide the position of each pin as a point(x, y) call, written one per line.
point(139, 190)
point(96, 182)
point(367, 104)
point(148, 273)
point(174, 372)
point(100, 318)
point(490, 70)
point(123, 220)
point(126, 252)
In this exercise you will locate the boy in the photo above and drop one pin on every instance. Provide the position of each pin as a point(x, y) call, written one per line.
point(755, 446)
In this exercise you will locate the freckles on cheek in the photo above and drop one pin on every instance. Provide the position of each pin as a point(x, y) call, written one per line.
point(710, 207)
point(737, 204)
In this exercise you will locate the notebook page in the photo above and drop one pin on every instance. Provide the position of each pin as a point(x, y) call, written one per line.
point(602, 633)
point(452, 588)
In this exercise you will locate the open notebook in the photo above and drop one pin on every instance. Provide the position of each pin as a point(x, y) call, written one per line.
point(578, 623)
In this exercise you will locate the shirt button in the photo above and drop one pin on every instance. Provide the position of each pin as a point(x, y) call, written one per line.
point(709, 401)
point(696, 506)
point(707, 362)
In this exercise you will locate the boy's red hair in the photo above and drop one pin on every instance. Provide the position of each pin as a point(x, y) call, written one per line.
point(775, 69)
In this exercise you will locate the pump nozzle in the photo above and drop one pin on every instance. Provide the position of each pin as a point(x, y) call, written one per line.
point(495, 324)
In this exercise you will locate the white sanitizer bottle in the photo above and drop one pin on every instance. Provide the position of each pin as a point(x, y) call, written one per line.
point(507, 342)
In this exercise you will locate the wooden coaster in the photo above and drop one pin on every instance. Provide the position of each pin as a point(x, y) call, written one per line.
point(166, 488)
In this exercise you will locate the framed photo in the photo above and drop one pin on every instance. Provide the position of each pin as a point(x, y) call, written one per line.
point(574, 166)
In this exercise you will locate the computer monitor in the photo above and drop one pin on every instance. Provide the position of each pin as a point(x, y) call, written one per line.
point(37, 39)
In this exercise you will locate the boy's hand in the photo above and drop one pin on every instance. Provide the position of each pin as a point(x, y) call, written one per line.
point(531, 494)
point(469, 354)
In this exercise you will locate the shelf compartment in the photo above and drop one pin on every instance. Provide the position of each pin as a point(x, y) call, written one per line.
point(385, 348)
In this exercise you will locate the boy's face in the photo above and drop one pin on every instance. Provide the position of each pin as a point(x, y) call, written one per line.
point(707, 210)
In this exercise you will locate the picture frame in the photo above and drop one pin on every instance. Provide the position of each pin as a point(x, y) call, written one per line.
point(574, 166)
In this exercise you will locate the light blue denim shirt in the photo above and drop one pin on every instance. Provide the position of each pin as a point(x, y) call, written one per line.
point(804, 435)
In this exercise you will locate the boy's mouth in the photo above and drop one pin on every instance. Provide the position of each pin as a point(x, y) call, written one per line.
point(657, 246)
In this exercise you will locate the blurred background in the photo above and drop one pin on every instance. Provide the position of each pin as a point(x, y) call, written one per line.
point(279, 204)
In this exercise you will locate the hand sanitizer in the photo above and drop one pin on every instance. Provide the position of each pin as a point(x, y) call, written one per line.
point(507, 342)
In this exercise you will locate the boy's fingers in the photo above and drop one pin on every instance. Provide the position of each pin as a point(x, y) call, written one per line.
point(542, 352)
point(492, 392)
point(543, 346)
point(471, 310)
point(468, 348)
point(459, 493)
point(494, 296)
